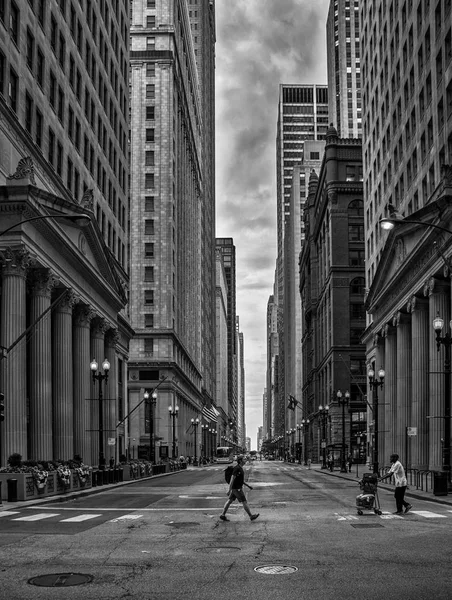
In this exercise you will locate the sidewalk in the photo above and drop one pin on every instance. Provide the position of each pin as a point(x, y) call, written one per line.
point(357, 474)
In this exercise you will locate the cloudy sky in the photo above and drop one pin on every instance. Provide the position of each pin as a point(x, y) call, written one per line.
point(260, 44)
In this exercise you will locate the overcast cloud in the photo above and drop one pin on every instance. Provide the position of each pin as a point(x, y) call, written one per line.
point(260, 44)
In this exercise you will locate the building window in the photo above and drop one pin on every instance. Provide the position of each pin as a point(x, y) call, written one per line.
point(30, 49)
point(150, 91)
point(149, 135)
point(149, 250)
point(149, 204)
point(355, 233)
point(13, 89)
point(60, 104)
point(149, 297)
point(28, 113)
point(356, 335)
point(149, 345)
point(53, 34)
point(150, 69)
point(51, 153)
point(149, 158)
point(52, 90)
point(2, 73)
point(150, 113)
point(40, 68)
point(149, 320)
point(149, 181)
point(356, 258)
point(39, 128)
point(149, 274)
point(358, 286)
point(59, 159)
point(14, 23)
point(356, 208)
point(150, 43)
point(150, 21)
point(357, 311)
point(149, 228)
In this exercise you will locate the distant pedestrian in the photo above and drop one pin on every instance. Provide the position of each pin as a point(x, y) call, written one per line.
point(330, 462)
point(112, 462)
point(235, 491)
point(400, 484)
point(309, 463)
point(349, 462)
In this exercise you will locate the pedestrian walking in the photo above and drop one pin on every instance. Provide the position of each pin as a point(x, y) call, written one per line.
point(349, 462)
point(400, 484)
point(235, 491)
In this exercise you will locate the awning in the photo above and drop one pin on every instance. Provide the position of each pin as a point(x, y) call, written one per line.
point(211, 414)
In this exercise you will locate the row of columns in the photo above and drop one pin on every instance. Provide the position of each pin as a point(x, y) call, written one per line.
point(414, 385)
point(60, 394)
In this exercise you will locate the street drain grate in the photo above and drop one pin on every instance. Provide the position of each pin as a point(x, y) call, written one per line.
point(218, 549)
point(365, 525)
point(275, 569)
point(182, 524)
point(60, 580)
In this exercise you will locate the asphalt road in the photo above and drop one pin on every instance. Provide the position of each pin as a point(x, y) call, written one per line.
point(161, 539)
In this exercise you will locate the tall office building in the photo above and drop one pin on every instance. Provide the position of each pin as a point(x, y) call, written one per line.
point(227, 249)
point(172, 214)
point(302, 116)
point(241, 427)
point(344, 73)
point(271, 371)
point(407, 152)
point(63, 151)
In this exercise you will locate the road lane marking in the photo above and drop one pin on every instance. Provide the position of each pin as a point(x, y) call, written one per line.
point(37, 517)
point(125, 518)
point(8, 513)
point(79, 518)
point(428, 514)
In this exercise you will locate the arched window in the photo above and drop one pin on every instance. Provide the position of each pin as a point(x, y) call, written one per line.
point(357, 286)
point(356, 208)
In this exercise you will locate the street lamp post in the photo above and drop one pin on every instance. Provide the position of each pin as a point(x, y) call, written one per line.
point(204, 440)
point(81, 219)
point(173, 414)
point(195, 423)
point(305, 425)
point(299, 429)
point(343, 400)
point(98, 376)
point(446, 341)
point(323, 413)
point(374, 385)
point(151, 400)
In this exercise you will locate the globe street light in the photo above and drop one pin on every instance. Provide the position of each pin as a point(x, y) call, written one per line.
point(173, 414)
point(374, 385)
point(151, 401)
point(343, 401)
point(446, 341)
point(98, 376)
point(305, 425)
point(82, 219)
point(195, 423)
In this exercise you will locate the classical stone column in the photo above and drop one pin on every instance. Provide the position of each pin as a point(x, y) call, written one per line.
point(40, 392)
point(98, 328)
point(14, 366)
point(63, 393)
point(379, 343)
point(439, 302)
point(111, 396)
point(390, 384)
point(402, 322)
point(82, 382)
point(418, 307)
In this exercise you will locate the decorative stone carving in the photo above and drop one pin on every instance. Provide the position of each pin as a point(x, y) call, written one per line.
point(112, 337)
point(24, 170)
point(42, 282)
point(332, 196)
point(400, 251)
point(16, 261)
point(446, 175)
point(83, 315)
point(100, 326)
point(87, 200)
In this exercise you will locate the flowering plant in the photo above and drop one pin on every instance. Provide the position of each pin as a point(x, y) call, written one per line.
point(40, 477)
point(64, 475)
point(82, 473)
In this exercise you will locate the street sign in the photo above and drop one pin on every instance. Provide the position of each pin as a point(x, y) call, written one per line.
point(411, 431)
point(111, 441)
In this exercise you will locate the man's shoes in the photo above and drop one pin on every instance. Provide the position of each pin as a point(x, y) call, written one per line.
point(409, 507)
point(224, 518)
point(254, 517)
point(398, 512)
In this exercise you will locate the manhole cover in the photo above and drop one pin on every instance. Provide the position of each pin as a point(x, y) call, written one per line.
point(275, 569)
point(182, 524)
point(218, 549)
point(366, 525)
point(60, 579)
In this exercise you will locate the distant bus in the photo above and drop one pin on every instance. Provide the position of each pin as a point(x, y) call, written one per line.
point(224, 454)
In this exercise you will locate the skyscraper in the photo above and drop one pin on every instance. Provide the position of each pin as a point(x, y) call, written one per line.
point(172, 213)
point(344, 73)
point(302, 116)
point(63, 151)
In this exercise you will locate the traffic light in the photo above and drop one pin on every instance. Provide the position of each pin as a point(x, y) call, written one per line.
point(2, 407)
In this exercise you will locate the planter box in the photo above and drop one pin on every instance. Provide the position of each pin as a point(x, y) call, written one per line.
point(27, 490)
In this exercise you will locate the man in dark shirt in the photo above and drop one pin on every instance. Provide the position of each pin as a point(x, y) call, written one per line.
point(236, 492)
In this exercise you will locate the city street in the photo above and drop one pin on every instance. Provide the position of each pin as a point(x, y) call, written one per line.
point(161, 539)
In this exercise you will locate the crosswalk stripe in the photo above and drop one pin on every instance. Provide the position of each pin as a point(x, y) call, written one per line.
point(8, 513)
point(125, 518)
point(428, 514)
point(37, 517)
point(79, 518)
